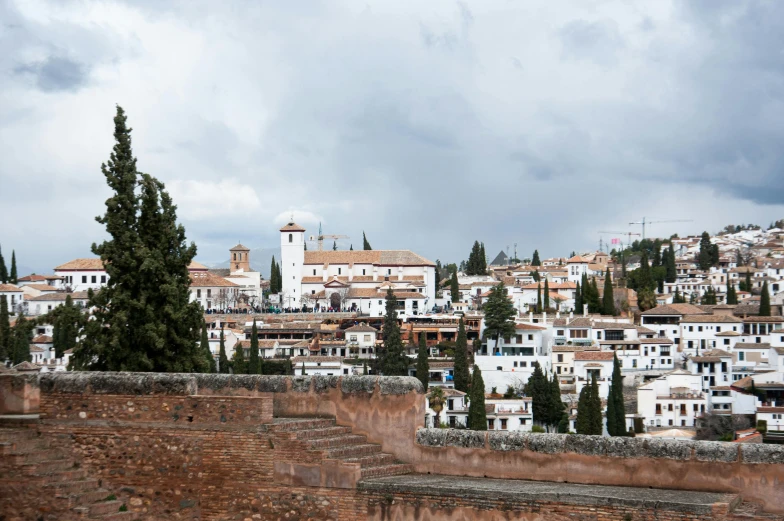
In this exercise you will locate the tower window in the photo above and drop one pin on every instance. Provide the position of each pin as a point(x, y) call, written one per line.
point(291, 237)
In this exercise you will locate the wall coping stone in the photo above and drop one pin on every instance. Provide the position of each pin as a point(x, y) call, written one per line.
point(680, 450)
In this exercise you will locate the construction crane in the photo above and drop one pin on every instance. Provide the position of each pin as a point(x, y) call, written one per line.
point(624, 233)
point(321, 238)
point(644, 222)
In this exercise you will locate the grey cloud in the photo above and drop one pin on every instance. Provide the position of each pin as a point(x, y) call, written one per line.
point(598, 41)
point(56, 74)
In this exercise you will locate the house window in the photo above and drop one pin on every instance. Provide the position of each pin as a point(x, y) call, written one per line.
point(530, 337)
point(103, 279)
point(84, 279)
point(93, 279)
point(518, 339)
point(491, 425)
point(696, 407)
point(741, 356)
point(503, 424)
point(198, 293)
point(560, 358)
point(340, 271)
point(691, 328)
point(669, 407)
point(314, 273)
point(699, 328)
point(683, 409)
point(209, 293)
point(367, 338)
point(389, 271)
point(658, 408)
point(291, 237)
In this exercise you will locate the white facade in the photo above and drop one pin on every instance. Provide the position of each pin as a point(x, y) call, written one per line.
point(675, 399)
point(14, 297)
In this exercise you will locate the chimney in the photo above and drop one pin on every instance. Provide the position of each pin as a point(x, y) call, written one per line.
point(585, 310)
point(571, 315)
point(544, 317)
point(531, 317)
point(557, 314)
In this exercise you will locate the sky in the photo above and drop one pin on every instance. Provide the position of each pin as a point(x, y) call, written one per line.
point(427, 125)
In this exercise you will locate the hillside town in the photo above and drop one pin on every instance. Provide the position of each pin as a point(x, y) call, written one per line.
point(693, 323)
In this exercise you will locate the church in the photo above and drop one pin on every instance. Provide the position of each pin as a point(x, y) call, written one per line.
point(355, 280)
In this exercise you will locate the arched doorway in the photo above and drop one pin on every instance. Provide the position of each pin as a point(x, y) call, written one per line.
point(334, 301)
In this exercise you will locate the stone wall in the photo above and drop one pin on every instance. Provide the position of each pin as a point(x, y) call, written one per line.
point(18, 393)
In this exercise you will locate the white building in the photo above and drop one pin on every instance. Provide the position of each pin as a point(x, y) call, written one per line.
point(675, 399)
point(588, 364)
point(454, 412)
point(309, 272)
point(213, 292)
point(509, 414)
point(82, 274)
point(322, 365)
point(577, 267)
point(46, 302)
point(361, 340)
point(14, 297)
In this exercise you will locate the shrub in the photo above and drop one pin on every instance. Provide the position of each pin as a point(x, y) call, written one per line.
point(538, 429)
point(762, 426)
point(123, 508)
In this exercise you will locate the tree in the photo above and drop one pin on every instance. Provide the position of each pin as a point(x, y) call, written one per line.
point(594, 304)
point(477, 416)
point(589, 409)
point(709, 298)
point(482, 260)
point(436, 400)
point(764, 309)
point(223, 360)
point(254, 362)
point(616, 413)
point(454, 288)
point(608, 302)
point(3, 269)
point(732, 295)
point(555, 403)
point(499, 314)
point(539, 298)
point(274, 277)
point(423, 366)
point(537, 389)
point(365, 243)
point(142, 320)
point(677, 298)
point(205, 347)
point(12, 276)
point(535, 261)
point(334, 247)
point(5, 331)
point(67, 321)
point(546, 296)
point(238, 363)
point(393, 361)
point(656, 261)
point(462, 376)
point(22, 335)
point(475, 261)
point(578, 300)
point(706, 255)
point(669, 264)
point(535, 275)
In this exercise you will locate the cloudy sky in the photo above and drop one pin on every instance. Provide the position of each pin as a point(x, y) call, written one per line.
point(426, 124)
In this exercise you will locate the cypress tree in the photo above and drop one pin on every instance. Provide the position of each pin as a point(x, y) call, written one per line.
point(656, 261)
point(616, 413)
point(539, 298)
point(365, 243)
point(732, 296)
point(454, 288)
point(578, 299)
point(595, 304)
point(676, 297)
point(3, 269)
point(596, 408)
point(22, 335)
point(589, 409)
point(142, 320)
point(12, 277)
point(67, 321)
point(477, 416)
point(672, 273)
point(482, 260)
point(535, 261)
point(581, 423)
point(5, 331)
point(254, 363)
point(556, 405)
point(499, 314)
point(351, 248)
point(474, 264)
point(706, 255)
point(423, 366)
point(205, 348)
point(334, 248)
point(748, 280)
point(273, 277)
point(462, 376)
point(537, 389)
point(764, 309)
point(223, 360)
point(393, 361)
point(608, 302)
point(238, 363)
point(546, 296)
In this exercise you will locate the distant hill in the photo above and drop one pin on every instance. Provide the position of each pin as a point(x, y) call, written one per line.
point(260, 260)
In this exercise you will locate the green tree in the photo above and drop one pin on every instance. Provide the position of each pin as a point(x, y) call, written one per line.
point(6, 350)
point(764, 309)
point(462, 376)
point(393, 361)
point(537, 389)
point(482, 260)
point(546, 295)
point(22, 336)
point(238, 362)
point(539, 298)
point(535, 261)
point(205, 348)
point(423, 366)
point(499, 314)
point(706, 255)
point(709, 298)
point(578, 300)
point(454, 288)
point(475, 260)
point(594, 305)
point(672, 273)
point(142, 320)
point(589, 409)
point(677, 298)
point(535, 275)
point(350, 248)
point(616, 413)
point(12, 276)
point(67, 321)
point(254, 362)
point(334, 247)
point(273, 277)
point(477, 415)
point(223, 360)
point(555, 404)
point(656, 260)
point(3, 269)
point(608, 302)
point(732, 295)
point(365, 243)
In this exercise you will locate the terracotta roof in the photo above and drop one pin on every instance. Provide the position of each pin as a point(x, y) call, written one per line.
point(777, 320)
point(42, 339)
point(569, 349)
point(645, 331)
point(750, 345)
point(577, 259)
point(710, 319)
point(205, 279)
point(9, 288)
point(59, 296)
point(728, 333)
point(41, 287)
point(374, 257)
point(292, 227)
point(675, 309)
point(36, 349)
point(32, 278)
point(196, 266)
point(655, 341)
point(240, 247)
point(94, 264)
point(315, 359)
point(525, 326)
point(594, 355)
point(362, 328)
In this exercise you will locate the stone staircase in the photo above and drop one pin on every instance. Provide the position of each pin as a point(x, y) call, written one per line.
point(53, 479)
point(334, 442)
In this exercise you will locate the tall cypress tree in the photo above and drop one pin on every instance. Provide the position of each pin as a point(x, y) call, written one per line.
point(254, 363)
point(482, 264)
point(596, 408)
point(706, 255)
point(616, 413)
point(143, 319)
point(535, 261)
point(608, 302)
point(12, 276)
point(22, 335)
point(578, 299)
point(3, 269)
point(238, 363)
point(537, 390)
point(5, 331)
point(68, 321)
point(539, 298)
point(454, 288)
point(393, 361)
point(477, 415)
point(672, 273)
point(595, 304)
point(555, 404)
point(462, 376)
point(205, 347)
point(546, 296)
point(764, 309)
point(273, 276)
point(732, 295)
point(423, 366)
point(499, 314)
point(365, 243)
point(589, 409)
point(223, 360)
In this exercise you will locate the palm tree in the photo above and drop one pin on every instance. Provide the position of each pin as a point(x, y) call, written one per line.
point(436, 398)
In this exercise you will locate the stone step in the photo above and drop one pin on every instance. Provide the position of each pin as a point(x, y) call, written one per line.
point(20, 457)
point(73, 487)
point(85, 498)
point(47, 466)
point(373, 460)
point(341, 440)
point(325, 432)
point(395, 469)
point(104, 507)
point(355, 451)
point(67, 475)
point(299, 424)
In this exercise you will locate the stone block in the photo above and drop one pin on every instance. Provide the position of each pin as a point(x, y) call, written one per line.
point(623, 447)
point(322, 384)
point(431, 437)
point(400, 385)
point(244, 381)
point(272, 384)
point(584, 444)
point(300, 384)
point(465, 439)
point(212, 382)
point(547, 443)
point(669, 449)
point(507, 441)
point(358, 384)
point(716, 451)
point(759, 453)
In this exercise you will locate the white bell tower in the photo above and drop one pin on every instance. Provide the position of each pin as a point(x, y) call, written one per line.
point(292, 258)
